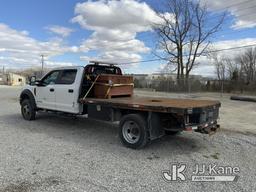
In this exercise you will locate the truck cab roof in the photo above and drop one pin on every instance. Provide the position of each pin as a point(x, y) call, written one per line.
point(95, 69)
point(68, 67)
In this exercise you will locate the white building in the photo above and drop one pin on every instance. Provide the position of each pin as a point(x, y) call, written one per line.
point(13, 79)
point(1, 79)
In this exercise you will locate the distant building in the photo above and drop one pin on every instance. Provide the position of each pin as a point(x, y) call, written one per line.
point(13, 79)
point(162, 76)
point(140, 76)
point(1, 79)
point(140, 80)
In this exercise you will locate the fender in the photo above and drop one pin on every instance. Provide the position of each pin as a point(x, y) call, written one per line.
point(27, 94)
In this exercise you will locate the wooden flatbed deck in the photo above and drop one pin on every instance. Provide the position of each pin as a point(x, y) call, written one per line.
point(152, 104)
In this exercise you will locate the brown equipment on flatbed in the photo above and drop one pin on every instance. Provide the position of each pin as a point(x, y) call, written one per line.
point(108, 86)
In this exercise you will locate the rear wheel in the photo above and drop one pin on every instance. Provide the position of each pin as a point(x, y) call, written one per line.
point(133, 131)
point(27, 110)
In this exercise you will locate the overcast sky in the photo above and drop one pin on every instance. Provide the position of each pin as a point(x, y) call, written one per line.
point(71, 32)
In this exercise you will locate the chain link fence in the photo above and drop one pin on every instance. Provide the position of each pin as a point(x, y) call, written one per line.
point(194, 85)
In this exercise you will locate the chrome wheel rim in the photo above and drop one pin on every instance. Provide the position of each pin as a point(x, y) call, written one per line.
point(131, 132)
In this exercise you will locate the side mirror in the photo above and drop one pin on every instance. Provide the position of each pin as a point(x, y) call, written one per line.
point(38, 83)
point(32, 80)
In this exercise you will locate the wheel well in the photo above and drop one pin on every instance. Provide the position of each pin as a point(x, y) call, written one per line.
point(23, 97)
point(128, 111)
point(26, 94)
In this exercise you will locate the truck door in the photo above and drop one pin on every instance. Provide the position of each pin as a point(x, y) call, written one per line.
point(67, 91)
point(45, 92)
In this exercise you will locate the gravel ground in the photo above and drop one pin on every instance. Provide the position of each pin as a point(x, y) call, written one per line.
point(58, 153)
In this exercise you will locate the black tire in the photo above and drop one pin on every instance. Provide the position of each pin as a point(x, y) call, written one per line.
point(28, 110)
point(133, 131)
point(167, 132)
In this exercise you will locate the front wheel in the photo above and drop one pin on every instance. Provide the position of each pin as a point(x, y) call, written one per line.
point(133, 131)
point(27, 110)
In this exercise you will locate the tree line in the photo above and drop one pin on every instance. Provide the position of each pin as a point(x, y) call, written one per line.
point(185, 34)
point(236, 73)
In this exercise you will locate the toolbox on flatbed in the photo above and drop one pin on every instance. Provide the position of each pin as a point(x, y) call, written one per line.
point(108, 86)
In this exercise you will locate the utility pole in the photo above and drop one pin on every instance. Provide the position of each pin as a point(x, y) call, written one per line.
point(42, 61)
point(3, 70)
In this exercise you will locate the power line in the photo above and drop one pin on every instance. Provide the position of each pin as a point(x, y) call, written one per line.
point(234, 5)
point(224, 32)
point(230, 6)
point(3, 70)
point(206, 52)
point(213, 51)
point(213, 18)
point(149, 36)
point(219, 34)
point(231, 48)
point(243, 15)
point(42, 62)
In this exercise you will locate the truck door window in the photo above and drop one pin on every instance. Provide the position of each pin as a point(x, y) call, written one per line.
point(50, 78)
point(67, 77)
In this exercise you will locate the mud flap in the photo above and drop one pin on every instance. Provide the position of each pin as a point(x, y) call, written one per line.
point(154, 126)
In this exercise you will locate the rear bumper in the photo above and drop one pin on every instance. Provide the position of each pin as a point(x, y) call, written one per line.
point(205, 128)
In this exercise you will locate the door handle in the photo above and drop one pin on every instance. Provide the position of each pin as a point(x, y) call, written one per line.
point(52, 90)
point(70, 90)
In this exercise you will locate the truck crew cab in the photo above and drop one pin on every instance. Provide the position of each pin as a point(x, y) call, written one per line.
point(141, 120)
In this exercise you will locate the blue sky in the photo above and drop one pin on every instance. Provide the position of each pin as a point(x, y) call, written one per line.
point(81, 29)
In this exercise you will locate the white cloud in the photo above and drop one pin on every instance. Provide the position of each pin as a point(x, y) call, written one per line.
point(125, 15)
point(243, 11)
point(115, 25)
point(59, 30)
point(18, 49)
point(58, 64)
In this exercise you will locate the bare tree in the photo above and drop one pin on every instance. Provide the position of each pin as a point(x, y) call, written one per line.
point(220, 69)
point(184, 34)
point(231, 67)
point(234, 74)
point(247, 60)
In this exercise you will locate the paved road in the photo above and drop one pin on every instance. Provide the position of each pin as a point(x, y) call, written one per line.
point(58, 153)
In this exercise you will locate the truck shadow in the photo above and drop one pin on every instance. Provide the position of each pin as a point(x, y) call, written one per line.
point(99, 134)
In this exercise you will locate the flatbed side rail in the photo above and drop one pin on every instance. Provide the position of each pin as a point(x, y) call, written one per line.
point(137, 107)
point(147, 106)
